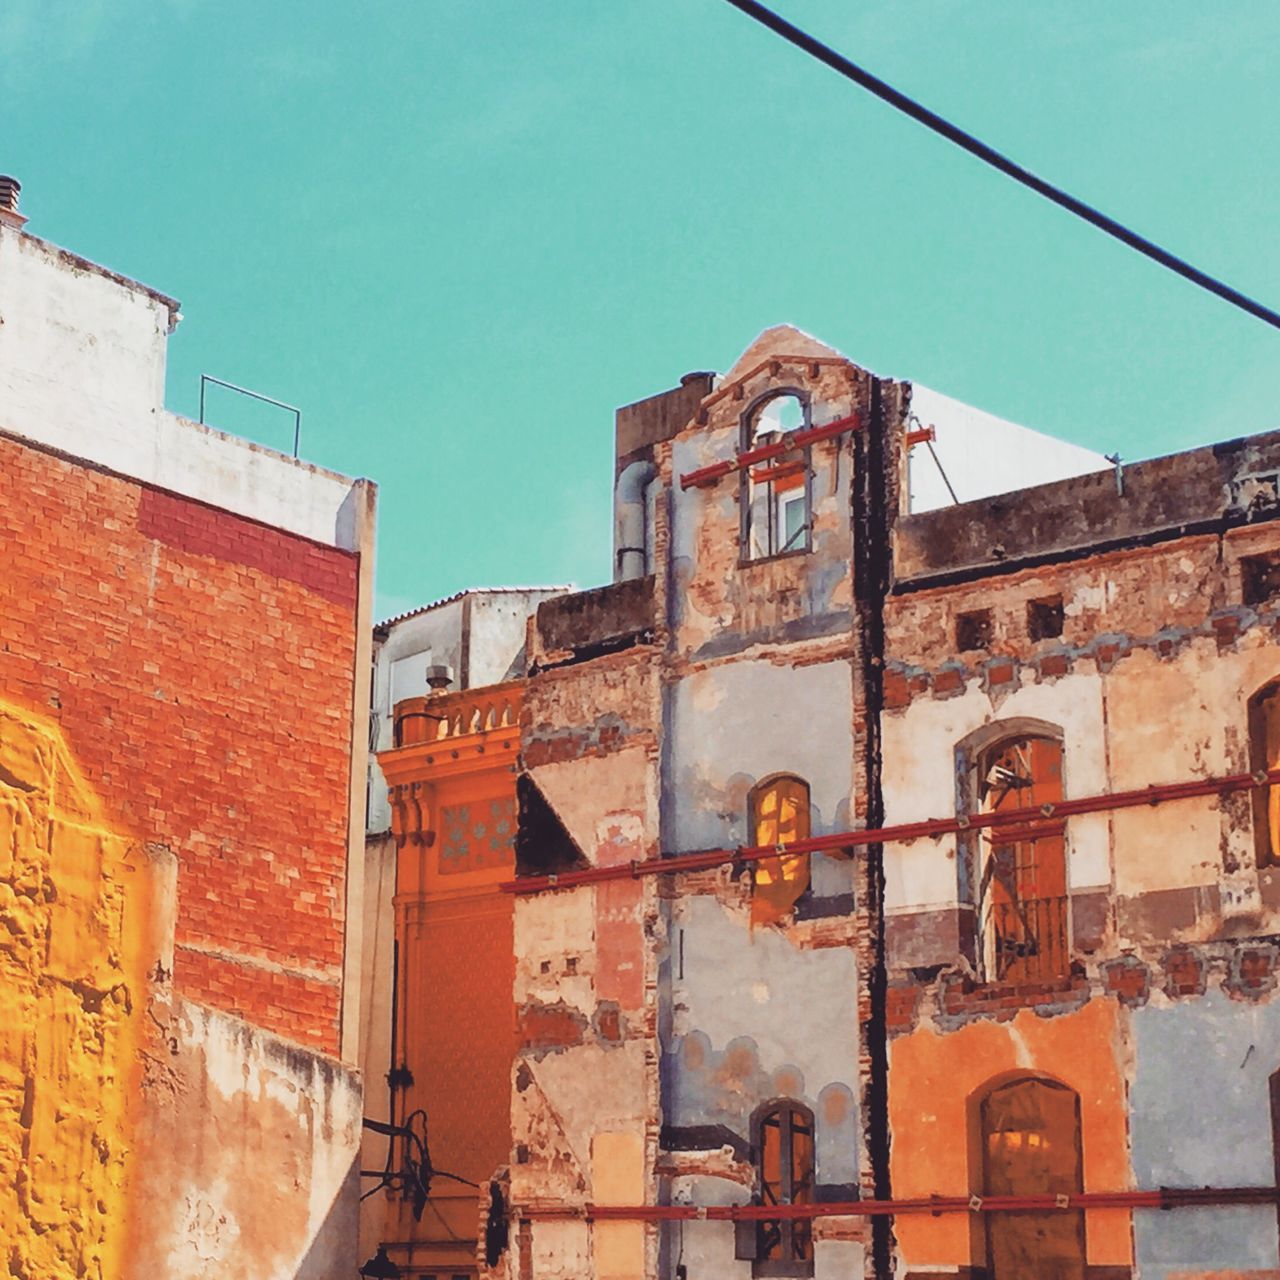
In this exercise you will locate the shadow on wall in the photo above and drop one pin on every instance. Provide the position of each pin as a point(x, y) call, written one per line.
point(332, 1254)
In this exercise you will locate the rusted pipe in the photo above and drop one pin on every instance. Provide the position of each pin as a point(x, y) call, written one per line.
point(792, 440)
point(1162, 1198)
point(1028, 822)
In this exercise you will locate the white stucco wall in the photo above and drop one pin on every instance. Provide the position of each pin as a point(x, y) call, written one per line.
point(82, 364)
point(984, 455)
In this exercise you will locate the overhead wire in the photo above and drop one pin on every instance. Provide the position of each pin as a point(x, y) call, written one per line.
point(997, 160)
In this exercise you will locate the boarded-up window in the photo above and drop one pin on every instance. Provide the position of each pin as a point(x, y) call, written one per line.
point(1031, 1146)
point(1264, 753)
point(775, 491)
point(779, 817)
point(1022, 892)
point(784, 1137)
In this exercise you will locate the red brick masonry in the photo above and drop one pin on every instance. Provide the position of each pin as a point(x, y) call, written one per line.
point(201, 666)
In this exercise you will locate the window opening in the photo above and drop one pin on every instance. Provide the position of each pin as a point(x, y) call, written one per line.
point(775, 495)
point(779, 817)
point(973, 630)
point(1264, 753)
point(784, 1247)
point(1022, 889)
point(1031, 1146)
point(1044, 618)
point(1260, 579)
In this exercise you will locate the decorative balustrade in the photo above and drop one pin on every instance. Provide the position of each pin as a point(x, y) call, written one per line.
point(455, 715)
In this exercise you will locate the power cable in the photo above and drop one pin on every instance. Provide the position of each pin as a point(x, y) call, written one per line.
point(989, 155)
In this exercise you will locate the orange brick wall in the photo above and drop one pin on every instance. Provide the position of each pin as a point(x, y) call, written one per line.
point(201, 667)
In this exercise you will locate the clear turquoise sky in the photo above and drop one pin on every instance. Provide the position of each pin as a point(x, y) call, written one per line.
point(459, 233)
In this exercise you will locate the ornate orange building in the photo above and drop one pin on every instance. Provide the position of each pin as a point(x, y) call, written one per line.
point(451, 779)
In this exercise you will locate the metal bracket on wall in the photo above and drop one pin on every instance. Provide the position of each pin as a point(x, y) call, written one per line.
point(206, 378)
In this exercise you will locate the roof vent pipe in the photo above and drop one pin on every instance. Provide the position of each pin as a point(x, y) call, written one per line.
point(9, 189)
point(631, 532)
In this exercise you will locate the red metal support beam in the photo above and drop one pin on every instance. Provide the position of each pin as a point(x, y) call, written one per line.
point(1163, 1198)
point(705, 476)
point(921, 435)
point(1028, 823)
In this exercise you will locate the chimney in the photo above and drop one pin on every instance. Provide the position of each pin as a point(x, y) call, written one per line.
point(9, 188)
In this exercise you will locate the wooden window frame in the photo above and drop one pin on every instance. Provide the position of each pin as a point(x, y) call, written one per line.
point(752, 477)
point(795, 1235)
point(1266, 800)
point(778, 783)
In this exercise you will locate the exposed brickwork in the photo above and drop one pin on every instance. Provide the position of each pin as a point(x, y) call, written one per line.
point(902, 1002)
point(1128, 979)
point(962, 999)
point(1253, 971)
point(207, 531)
point(1184, 973)
point(201, 668)
point(544, 1028)
point(1106, 617)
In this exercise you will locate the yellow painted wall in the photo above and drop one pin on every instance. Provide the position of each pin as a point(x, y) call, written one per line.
point(72, 919)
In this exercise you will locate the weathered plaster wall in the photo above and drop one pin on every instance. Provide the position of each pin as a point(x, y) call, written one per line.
point(1145, 631)
point(246, 1155)
point(142, 1136)
point(719, 605)
point(936, 1080)
point(1165, 1024)
point(735, 723)
point(1201, 1109)
point(755, 1018)
point(585, 1104)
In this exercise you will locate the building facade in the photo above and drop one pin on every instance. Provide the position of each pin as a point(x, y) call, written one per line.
point(895, 861)
point(183, 737)
point(438, 963)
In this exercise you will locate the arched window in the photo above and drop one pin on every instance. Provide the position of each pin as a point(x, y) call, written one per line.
point(1021, 871)
point(1030, 1132)
point(779, 816)
point(775, 492)
point(784, 1167)
point(1264, 753)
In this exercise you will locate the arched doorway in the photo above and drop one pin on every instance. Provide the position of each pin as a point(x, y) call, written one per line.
point(1031, 1146)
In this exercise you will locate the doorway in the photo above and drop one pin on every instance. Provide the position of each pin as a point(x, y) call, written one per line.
point(1031, 1146)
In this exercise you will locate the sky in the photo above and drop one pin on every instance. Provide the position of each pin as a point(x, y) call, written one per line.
point(460, 233)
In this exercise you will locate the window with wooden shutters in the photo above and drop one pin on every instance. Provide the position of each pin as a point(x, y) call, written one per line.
point(784, 1166)
point(1264, 753)
point(1022, 870)
point(779, 817)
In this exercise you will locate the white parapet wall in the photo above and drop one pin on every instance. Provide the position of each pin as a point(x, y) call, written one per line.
point(983, 455)
point(82, 367)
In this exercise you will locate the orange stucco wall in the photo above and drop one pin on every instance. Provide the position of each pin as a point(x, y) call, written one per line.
point(936, 1080)
point(455, 817)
